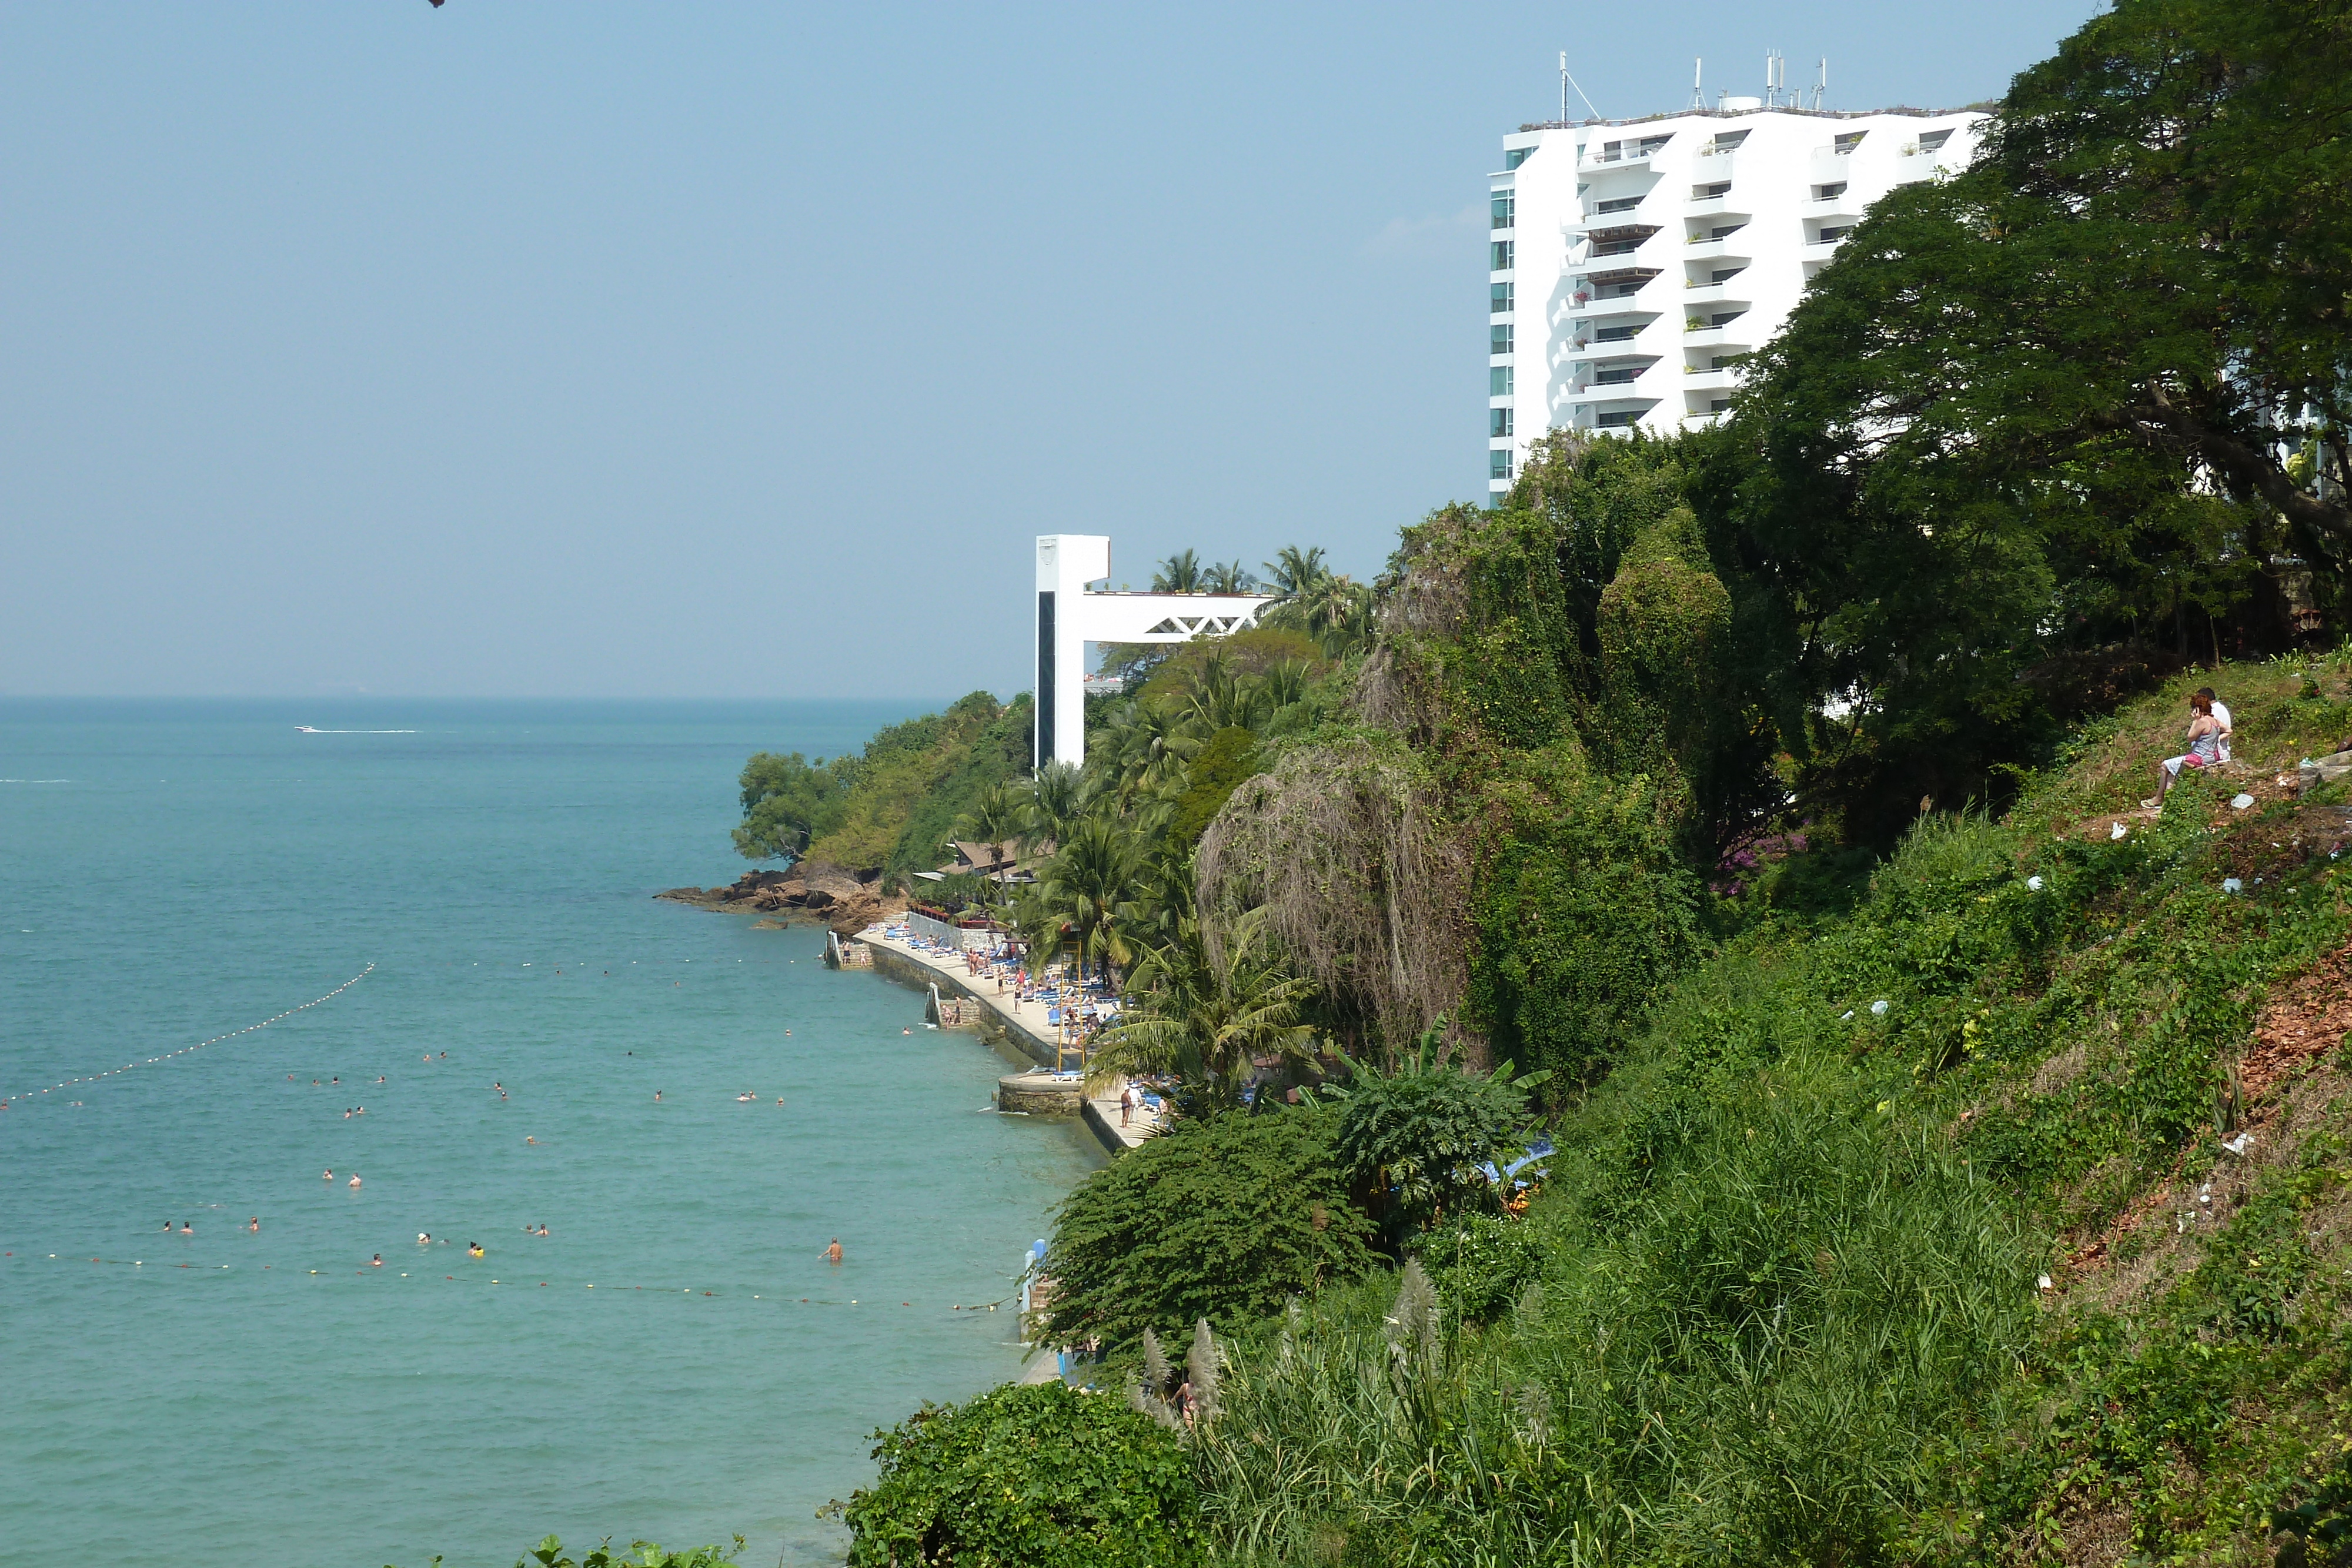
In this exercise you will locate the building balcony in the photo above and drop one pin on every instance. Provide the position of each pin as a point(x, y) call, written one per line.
point(1716, 206)
point(1709, 378)
point(1713, 295)
point(1820, 249)
point(1730, 247)
point(1730, 339)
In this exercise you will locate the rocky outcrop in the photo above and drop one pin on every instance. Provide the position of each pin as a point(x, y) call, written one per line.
point(834, 895)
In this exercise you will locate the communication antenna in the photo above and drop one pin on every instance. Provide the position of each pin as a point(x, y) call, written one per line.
point(1822, 92)
point(1699, 94)
point(1768, 79)
point(1566, 82)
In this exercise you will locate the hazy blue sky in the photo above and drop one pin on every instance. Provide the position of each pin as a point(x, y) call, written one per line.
point(656, 349)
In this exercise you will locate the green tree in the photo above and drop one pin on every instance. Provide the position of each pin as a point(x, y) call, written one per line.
point(1091, 879)
point(1229, 576)
point(1044, 1476)
point(1419, 1134)
point(786, 798)
point(1210, 1003)
point(1180, 573)
point(1217, 769)
point(1224, 1219)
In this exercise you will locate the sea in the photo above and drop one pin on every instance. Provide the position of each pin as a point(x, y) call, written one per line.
point(442, 915)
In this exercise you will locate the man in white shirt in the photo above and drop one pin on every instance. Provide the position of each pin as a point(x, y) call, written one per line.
point(2221, 716)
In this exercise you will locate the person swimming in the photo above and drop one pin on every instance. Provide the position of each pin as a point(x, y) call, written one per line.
point(167, 1228)
point(657, 1094)
point(531, 1140)
point(186, 1229)
point(542, 1229)
point(376, 1261)
point(474, 1249)
point(422, 1240)
point(355, 1182)
point(832, 1253)
point(256, 1225)
point(327, 1176)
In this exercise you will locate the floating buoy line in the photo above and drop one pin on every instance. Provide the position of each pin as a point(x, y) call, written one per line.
point(609, 1290)
point(265, 1023)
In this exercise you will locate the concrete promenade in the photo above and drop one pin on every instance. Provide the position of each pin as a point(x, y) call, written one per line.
point(1021, 1024)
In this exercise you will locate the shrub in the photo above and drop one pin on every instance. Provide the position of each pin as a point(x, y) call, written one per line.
point(1418, 1135)
point(1038, 1477)
point(1482, 1264)
point(1224, 1219)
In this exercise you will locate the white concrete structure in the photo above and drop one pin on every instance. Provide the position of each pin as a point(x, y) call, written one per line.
point(1629, 258)
point(1072, 613)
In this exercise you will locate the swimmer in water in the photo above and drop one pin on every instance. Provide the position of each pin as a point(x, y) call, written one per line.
point(167, 1228)
point(327, 1176)
point(256, 1225)
point(542, 1229)
point(472, 1250)
point(531, 1140)
point(656, 1096)
point(186, 1229)
point(355, 1184)
point(376, 1261)
point(832, 1253)
point(422, 1240)
point(379, 1077)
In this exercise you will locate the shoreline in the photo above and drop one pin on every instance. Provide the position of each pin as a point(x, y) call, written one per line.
point(1013, 1032)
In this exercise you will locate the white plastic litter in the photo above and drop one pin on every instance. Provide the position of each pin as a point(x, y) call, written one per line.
point(2241, 801)
point(2042, 1283)
point(1878, 1008)
point(2034, 885)
point(2239, 1145)
point(2231, 884)
point(1846, 1015)
point(2117, 831)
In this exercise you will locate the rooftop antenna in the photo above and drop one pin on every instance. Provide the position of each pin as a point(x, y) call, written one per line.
point(1699, 94)
point(1822, 92)
point(1568, 81)
point(1768, 79)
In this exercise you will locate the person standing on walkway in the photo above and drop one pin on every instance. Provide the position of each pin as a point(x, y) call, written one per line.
point(1126, 1103)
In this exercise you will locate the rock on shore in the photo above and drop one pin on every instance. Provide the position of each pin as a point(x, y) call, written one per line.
point(812, 890)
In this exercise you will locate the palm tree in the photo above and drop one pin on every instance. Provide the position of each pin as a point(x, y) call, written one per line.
point(1230, 577)
point(1209, 1004)
point(1059, 793)
point(996, 818)
point(1222, 697)
point(1091, 881)
point(1180, 573)
point(1293, 571)
point(1137, 748)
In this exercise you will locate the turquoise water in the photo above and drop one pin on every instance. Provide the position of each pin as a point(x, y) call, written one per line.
point(172, 870)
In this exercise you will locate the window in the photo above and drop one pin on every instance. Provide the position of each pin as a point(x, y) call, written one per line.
point(1515, 156)
point(1850, 140)
point(1726, 274)
point(1498, 256)
point(1498, 422)
point(1650, 144)
point(1829, 234)
point(1614, 334)
point(1501, 335)
point(1718, 405)
point(1622, 204)
point(1503, 205)
point(1724, 141)
point(1933, 142)
point(1498, 381)
point(1501, 302)
point(1498, 463)
point(1828, 192)
point(1617, 377)
point(1709, 193)
point(1725, 317)
point(1618, 421)
point(1725, 230)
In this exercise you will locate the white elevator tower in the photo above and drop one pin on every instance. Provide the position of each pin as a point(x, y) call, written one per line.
point(1072, 613)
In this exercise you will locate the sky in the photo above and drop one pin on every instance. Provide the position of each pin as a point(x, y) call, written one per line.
point(658, 349)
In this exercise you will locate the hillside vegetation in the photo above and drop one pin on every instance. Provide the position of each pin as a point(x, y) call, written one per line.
point(1946, 1151)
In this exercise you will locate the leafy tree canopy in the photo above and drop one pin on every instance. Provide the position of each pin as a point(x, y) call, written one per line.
point(1222, 1220)
point(1038, 1477)
point(1419, 1134)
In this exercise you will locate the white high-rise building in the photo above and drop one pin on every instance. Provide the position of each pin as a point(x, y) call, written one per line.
point(1631, 258)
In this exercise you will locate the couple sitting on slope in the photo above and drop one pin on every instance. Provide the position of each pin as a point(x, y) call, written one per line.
point(2209, 742)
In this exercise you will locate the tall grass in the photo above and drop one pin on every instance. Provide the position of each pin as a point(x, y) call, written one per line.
point(1768, 1350)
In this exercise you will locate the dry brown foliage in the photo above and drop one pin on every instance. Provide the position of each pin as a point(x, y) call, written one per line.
point(1362, 885)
